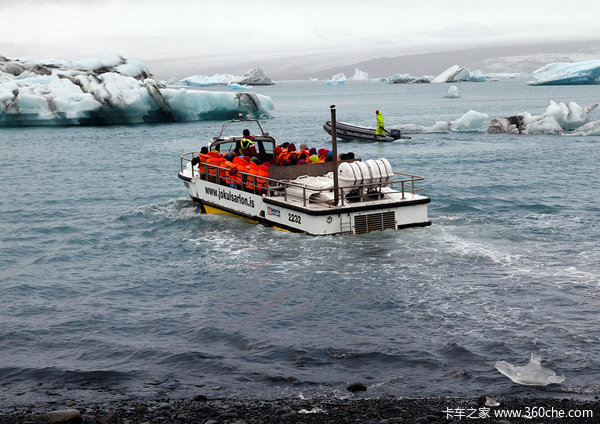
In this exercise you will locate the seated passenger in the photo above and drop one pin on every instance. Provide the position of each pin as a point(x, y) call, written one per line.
point(302, 157)
point(291, 159)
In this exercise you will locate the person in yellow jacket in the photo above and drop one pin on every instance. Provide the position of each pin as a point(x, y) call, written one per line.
point(380, 130)
point(246, 147)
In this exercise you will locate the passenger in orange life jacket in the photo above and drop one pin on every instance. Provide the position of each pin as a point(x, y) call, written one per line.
point(291, 157)
point(302, 158)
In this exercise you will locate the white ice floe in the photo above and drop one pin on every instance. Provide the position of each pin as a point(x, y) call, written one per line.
point(558, 118)
point(108, 90)
point(438, 127)
point(591, 128)
point(458, 73)
point(236, 86)
point(452, 93)
point(565, 73)
point(470, 121)
point(532, 374)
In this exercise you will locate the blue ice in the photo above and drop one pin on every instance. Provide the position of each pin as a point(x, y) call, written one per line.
point(109, 90)
point(562, 73)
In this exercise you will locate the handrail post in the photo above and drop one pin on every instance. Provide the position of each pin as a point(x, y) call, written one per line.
point(336, 187)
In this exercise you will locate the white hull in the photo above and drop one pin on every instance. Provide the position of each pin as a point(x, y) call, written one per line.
point(390, 211)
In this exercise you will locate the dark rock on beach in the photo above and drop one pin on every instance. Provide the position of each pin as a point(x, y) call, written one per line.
point(313, 411)
point(357, 387)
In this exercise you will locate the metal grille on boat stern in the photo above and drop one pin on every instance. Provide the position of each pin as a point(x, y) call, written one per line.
point(374, 222)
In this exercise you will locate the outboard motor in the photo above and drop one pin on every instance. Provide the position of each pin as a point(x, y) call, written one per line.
point(395, 133)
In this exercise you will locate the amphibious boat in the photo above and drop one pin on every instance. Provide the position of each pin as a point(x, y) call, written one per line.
point(351, 132)
point(322, 198)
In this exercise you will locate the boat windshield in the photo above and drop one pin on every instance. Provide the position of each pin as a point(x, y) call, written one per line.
point(265, 146)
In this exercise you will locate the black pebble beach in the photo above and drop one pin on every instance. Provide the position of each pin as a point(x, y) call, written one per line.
point(202, 410)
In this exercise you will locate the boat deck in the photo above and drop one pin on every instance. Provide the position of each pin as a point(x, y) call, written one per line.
point(400, 191)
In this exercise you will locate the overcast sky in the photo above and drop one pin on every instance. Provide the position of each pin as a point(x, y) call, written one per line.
point(224, 32)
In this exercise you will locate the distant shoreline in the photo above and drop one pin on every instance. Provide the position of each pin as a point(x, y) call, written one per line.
point(379, 63)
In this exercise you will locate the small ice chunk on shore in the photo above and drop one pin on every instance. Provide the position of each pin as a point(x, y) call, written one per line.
point(532, 374)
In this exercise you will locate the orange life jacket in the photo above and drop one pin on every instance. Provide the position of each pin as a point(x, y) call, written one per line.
point(203, 157)
point(263, 171)
point(252, 170)
point(225, 174)
point(214, 161)
point(242, 166)
point(281, 157)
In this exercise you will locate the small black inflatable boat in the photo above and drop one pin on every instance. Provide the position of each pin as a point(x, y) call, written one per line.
point(346, 131)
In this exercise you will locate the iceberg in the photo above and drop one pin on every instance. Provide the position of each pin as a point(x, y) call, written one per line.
point(477, 76)
point(208, 81)
point(452, 93)
point(532, 374)
point(458, 73)
point(108, 90)
point(558, 118)
point(401, 79)
point(564, 73)
point(359, 75)
point(407, 79)
point(254, 76)
point(337, 79)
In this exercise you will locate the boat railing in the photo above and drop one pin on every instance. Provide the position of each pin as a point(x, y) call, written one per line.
point(401, 182)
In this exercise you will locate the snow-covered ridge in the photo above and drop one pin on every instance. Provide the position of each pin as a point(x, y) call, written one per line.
point(108, 90)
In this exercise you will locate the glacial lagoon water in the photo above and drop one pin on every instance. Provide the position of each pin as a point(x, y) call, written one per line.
point(112, 285)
